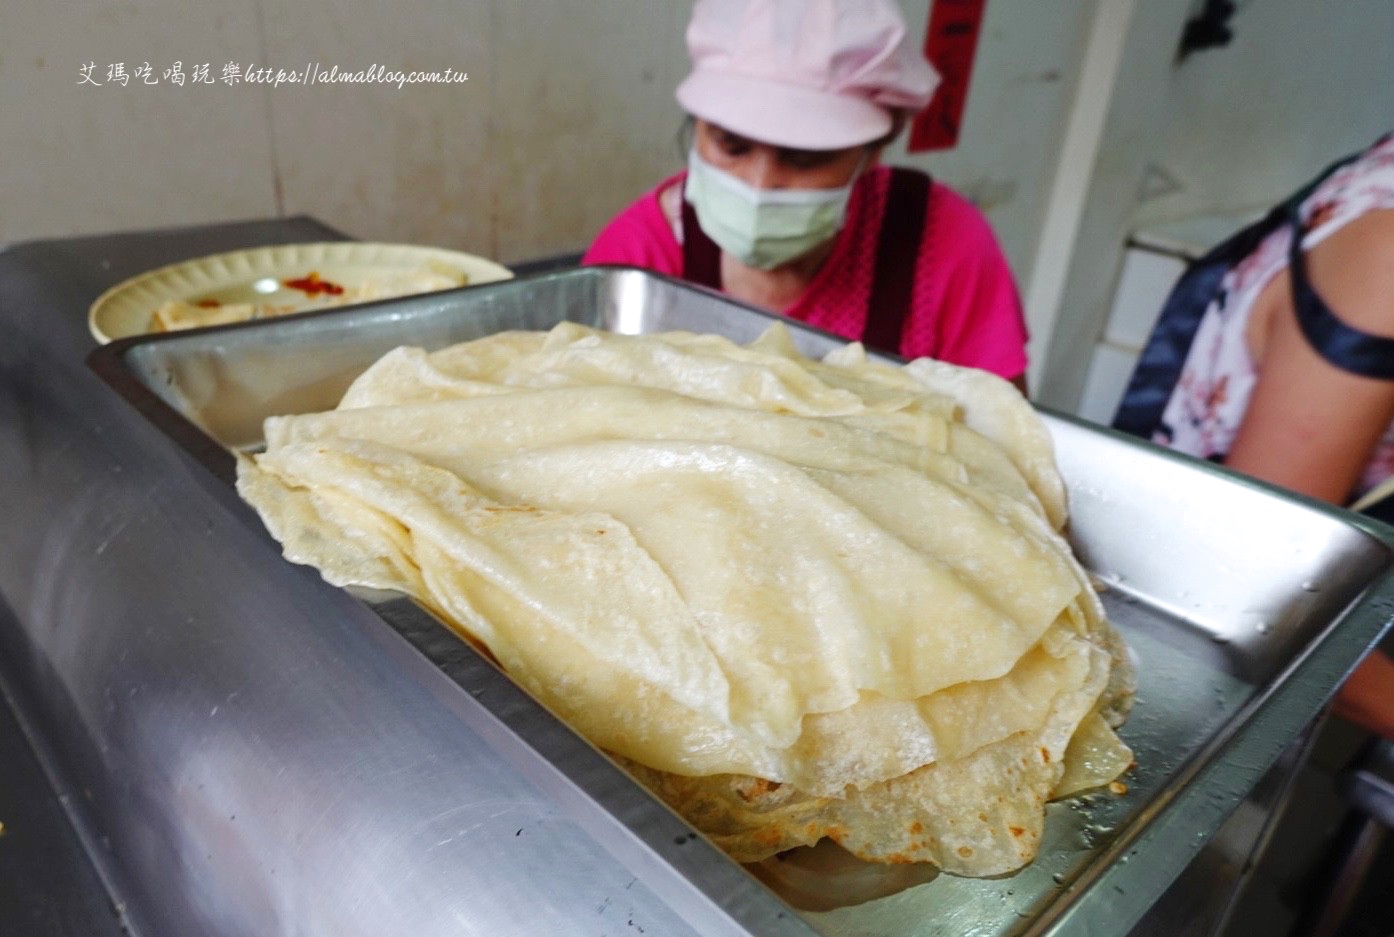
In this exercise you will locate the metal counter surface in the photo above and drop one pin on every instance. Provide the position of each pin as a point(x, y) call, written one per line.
point(48, 885)
point(250, 803)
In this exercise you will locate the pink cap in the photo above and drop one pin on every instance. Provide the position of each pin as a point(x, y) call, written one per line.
point(811, 74)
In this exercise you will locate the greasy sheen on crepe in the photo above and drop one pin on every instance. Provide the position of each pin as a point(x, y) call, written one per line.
point(797, 599)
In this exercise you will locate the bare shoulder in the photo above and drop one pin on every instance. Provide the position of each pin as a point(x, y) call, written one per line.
point(1353, 272)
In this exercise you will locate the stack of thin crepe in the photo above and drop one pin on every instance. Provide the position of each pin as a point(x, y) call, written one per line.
point(796, 599)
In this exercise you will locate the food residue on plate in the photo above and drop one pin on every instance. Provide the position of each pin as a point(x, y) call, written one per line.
point(312, 285)
point(319, 293)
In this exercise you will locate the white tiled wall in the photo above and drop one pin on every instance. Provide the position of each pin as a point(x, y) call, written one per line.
point(1109, 370)
point(1146, 279)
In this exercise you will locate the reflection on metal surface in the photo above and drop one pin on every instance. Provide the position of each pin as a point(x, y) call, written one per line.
point(1203, 898)
point(824, 877)
point(47, 883)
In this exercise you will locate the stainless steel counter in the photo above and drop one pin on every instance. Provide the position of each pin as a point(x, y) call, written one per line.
point(349, 788)
point(48, 885)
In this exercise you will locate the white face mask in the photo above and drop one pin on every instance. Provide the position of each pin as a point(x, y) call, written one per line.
point(763, 228)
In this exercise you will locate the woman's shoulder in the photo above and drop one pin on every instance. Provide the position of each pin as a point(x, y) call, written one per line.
point(1352, 270)
point(1363, 185)
point(953, 222)
point(640, 235)
point(958, 223)
point(966, 308)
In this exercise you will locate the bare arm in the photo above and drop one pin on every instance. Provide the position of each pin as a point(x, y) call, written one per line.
point(1367, 698)
point(1310, 426)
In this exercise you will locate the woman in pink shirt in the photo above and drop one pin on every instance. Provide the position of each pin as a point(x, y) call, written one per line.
point(784, 205)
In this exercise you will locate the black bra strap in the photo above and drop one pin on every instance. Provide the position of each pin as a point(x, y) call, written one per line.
point(701, 258)
point(903, 226)
point(1347, 348)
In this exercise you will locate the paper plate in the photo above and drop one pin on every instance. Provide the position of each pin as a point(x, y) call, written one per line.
point(261, 274)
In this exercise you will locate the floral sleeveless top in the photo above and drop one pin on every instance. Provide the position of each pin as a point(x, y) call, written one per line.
point(1208, 403)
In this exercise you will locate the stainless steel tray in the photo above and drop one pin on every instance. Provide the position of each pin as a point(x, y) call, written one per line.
point(1245, 607)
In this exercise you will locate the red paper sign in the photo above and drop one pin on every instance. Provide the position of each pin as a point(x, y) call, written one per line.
point(950, 45)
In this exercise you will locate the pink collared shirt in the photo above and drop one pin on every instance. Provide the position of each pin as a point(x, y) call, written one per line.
point(964, 309)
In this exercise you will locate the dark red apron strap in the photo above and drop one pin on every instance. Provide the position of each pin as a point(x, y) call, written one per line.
point(897, 256)
point(701, 258)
